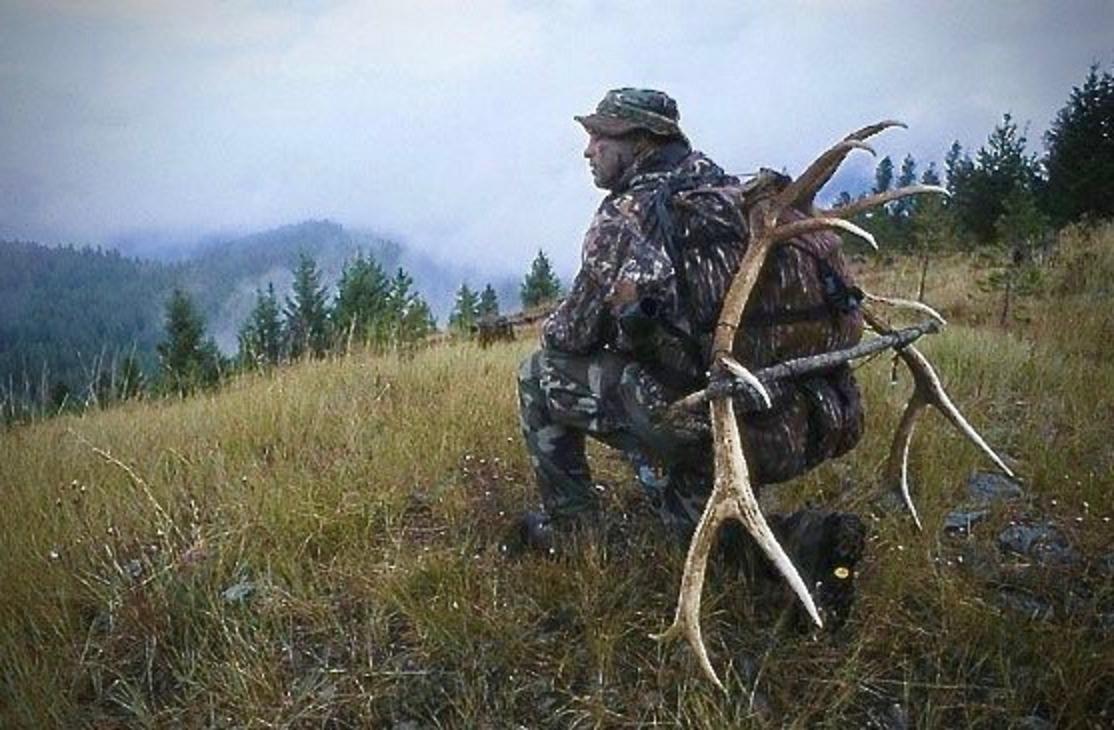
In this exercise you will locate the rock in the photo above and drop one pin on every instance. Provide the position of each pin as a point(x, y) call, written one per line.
point(1041, 542)
point(239, 592)
point(1023, 602)
point(895, 718)
point(962, 520)
point(986, 487)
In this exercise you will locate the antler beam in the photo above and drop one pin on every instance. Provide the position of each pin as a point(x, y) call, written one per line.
point(927, 391)
point(732, 494)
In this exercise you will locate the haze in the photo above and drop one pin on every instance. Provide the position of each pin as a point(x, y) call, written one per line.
point(448, 125)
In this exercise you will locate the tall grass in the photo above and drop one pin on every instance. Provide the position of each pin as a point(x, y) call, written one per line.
point(320, 545)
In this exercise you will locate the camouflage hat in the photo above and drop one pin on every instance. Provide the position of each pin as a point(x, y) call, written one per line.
point(624, 110)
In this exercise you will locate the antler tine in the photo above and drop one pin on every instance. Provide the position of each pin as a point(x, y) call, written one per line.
point(936, 396)
point(873, 201)
point(927, 390)
point(811, 225)
point(799, 193)
point(732, 494)
point(822, 170)
point(872, 129)
point(906, 304)
point(732, 497)
point(897, 465)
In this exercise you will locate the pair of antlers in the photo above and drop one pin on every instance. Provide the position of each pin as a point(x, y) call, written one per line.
point(732, 494)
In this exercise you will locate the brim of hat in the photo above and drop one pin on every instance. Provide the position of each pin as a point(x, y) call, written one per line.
point(613, 126)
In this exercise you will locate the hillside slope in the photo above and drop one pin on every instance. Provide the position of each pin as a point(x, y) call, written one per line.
point(322, 546)
point(63, 308)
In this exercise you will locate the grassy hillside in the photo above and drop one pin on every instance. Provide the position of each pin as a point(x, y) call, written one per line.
point(320, 546)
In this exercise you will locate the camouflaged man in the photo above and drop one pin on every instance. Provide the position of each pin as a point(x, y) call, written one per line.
point(634, 334)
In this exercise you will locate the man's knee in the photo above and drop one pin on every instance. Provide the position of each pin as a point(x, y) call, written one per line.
point(529, 368)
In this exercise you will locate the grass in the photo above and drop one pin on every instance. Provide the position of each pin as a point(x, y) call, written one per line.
point(320, 546)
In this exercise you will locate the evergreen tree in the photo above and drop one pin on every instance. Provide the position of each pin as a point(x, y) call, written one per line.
point(307, 317)
point(933, 230)
point(465, 310)
point(489, 303)
point(361, 304)
point(884, 175)
point(908, 176)
point(1080, 144)
point(930, 176)
point(540, 285)
point(1021, 227)
point(261, 337)
point(409, 316)
point(188, 360)
point(957, 167)
point(1001, 166)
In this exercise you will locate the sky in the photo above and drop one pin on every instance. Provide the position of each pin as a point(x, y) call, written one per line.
point(448, 125)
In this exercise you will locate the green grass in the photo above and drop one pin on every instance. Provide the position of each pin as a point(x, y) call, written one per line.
point(360, 505)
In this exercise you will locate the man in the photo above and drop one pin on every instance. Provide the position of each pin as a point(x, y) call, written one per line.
point(635, 330)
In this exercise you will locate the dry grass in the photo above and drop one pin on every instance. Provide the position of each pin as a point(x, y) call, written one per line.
point(320, 546)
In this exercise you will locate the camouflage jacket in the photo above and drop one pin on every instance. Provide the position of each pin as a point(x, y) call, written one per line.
point(658, 259)
point(629, 274)
point(660, 254)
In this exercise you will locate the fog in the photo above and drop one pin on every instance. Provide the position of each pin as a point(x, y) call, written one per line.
point(448, 126)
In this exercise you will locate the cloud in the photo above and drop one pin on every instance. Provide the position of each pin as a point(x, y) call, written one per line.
point(450, 125)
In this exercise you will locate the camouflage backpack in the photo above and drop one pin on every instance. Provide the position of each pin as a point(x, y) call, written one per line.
point(805, 303)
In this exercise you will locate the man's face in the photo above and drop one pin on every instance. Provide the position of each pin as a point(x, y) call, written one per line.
point(610, 157)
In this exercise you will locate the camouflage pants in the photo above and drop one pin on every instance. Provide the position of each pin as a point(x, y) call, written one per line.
point(565, 398)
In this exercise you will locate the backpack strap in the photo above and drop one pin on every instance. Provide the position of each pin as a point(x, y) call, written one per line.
point(663, 225)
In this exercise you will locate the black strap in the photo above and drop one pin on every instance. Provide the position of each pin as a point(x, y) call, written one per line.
point(662, 219)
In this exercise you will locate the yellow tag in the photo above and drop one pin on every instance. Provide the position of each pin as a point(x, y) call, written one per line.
point(842, 573)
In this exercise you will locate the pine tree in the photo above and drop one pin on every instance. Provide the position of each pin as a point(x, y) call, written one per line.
point(957, 167)
point(933, 229)
point(187, 359)
point(361, 304)
point(908, 176)
point(1020, 228)
point(884, 175)
point(307, 317)
point(540, 285)
point(465, 310)
point(1001, 166)
point(261, 337)
point(1080, 144)
point(489, 303)
point(930, 176)
point(409, 316)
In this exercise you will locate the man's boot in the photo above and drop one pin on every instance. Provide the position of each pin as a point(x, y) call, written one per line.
point(826, 547)
point(541, 533)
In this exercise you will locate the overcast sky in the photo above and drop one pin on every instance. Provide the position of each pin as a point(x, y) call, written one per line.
point(448, 125)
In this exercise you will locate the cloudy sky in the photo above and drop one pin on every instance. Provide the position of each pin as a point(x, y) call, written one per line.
point(448, 124)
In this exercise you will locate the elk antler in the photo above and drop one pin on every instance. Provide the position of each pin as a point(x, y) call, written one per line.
point(732, 495)
point(927, 391)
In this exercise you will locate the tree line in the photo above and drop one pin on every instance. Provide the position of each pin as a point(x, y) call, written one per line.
point(369, 309)
point(1004, 192)
point(1003, 195)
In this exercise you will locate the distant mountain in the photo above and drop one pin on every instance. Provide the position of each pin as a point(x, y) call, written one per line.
point(224, 275)
point(62, 308)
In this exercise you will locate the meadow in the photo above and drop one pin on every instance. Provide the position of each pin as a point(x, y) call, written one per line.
point(322, 546)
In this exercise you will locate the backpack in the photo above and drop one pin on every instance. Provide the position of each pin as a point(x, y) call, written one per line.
point(804, 303)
